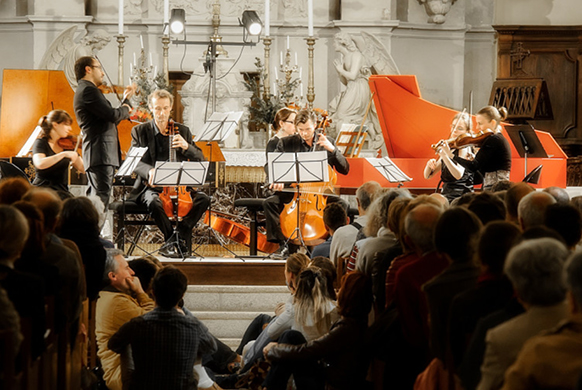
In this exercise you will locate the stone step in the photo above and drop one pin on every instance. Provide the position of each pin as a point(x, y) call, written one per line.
point(226, 324)
point(235, 298)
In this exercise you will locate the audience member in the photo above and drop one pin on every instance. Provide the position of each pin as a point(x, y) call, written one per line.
point(567, 221)
point(512, 198)
point(577, 202)
point(492, 292)
point(24, 290)
point(560, 194)
point(145, 270)
point(455, 237)
point(79, 222)
point(13, 189)
point(9, 322)
point(531, 210)
point(345, 237)
point(329, 271)
point(121, 300)
point(487, 207)
point(164, 342)
point(553, 359)
point(334, 217)
point(342, 349)
point(502, 185)
point(535, 269)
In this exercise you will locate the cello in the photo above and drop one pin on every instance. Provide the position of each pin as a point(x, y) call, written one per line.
point(176, 200)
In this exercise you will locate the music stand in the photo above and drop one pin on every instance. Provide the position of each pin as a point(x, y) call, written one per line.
point(177, 174)
point(389, 170)
point(350, 141)
point(526, 142)
point(303, 167)
point(219, 126)
point(126, 169)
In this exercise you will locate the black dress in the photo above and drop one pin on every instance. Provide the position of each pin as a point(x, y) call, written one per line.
point(56, 176)
point(453, 188)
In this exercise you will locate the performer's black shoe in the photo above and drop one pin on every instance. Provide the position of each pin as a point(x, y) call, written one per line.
point(282, 253)
point(169, 250)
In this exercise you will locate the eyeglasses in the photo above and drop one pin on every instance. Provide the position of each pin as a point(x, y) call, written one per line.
point(95, 66)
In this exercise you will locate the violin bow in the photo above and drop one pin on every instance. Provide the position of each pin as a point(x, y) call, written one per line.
point(109, 79)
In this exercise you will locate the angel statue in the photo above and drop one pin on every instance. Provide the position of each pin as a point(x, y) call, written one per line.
point(359, 60)
point(65, 49)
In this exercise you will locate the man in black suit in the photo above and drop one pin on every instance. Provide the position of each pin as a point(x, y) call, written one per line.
point(306, 140)
point(155, 136)
point(98, 121)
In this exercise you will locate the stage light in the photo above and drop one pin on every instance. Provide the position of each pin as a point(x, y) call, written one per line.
point(251, 22)
point(177, 20)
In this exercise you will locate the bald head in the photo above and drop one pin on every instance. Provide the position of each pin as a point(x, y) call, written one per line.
point(365, 195)
point(531, 210)
point(512, 198)
point(560, 194)
point(48, 202)
point(419, 226)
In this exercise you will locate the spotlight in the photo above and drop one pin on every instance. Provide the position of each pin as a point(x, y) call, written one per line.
point(177, 20)
point(251, 22)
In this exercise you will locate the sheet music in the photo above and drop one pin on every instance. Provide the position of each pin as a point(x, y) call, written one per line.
point(281, 167)
point(133, 157)
point(219, 126)
point(389, 170)
point(304, 167)
point(185, 173)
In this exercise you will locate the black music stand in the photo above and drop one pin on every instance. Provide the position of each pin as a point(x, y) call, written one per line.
point(126, 169)
point(177, 174)
point(389, 170)
point(526, 142)
point(305, 167)
point(219, 126)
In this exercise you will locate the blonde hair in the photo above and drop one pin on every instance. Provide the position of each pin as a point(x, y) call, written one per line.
point(311, 300)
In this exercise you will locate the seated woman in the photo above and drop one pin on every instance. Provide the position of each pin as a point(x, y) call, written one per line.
point(48, 156)
point(342, 349)
point(456, 179)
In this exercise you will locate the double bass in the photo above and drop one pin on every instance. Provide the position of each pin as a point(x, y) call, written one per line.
point(176, 200)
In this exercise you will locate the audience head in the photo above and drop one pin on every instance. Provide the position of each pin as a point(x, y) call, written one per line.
point(395, 217)
point(12, 189)
point(79, 214)
point(497, 239)
point(512, 198)
point(334, 216)
point(531, 210)
point(541, 231)
point(294, 264)
point(35, 245)
point(329, 271)
point(464, 199)
point(501, 185)
point(117, 272)
point(566, 220)
point(13, 233)
point(355, 296)
point(487, 207)
point(440, 198)
point(378, 210)
point(456, 234)
point(169, 286)
point(560, 194)
point(365, 195)
point(577, 202)
point(145, 270)
point(310, 298)
point(49, 203)
point(535, 269)
point(419, 225)
point(574, 281)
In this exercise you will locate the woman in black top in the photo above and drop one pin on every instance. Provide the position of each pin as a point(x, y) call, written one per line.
point(49, 158)
point(456, 179)
point(493, 159)
point(283, 125)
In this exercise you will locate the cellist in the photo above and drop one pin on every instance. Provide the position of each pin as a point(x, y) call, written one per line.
point(306, 140)
point(155, 134)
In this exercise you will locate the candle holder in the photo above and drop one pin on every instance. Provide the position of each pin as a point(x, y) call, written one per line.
point(286, 85)
point(165, 47)
point(310, 78)
point(267, 80)
point(120, 46)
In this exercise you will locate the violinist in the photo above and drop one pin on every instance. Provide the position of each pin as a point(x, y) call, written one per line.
point(48, 156)
point(493, 160)
point(305, 141)
point(456, 179)
point(98, 121)
point(155, 135)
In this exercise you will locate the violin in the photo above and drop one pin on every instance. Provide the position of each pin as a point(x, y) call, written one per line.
point(71, 142)
point(467, 139)
point(176, 200)
point(116, 89)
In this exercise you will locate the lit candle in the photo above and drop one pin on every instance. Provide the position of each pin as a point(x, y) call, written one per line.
point(141, 40)
point(287, 42)
point(166, 16)
point(267, 17)
point(295, 58)
point(120, 30)
point(134, 59)
point(281, 57)
point(275, 74)
point(301, 90)
point(310, 18)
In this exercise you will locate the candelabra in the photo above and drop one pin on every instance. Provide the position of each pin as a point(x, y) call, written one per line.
point(120, 45)
point(310, 79)
point(266, 79)
point(286, 85)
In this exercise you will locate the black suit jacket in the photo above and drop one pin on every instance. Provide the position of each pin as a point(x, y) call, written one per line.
point(98, 121)
point(294, 143)
point(144, 135)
